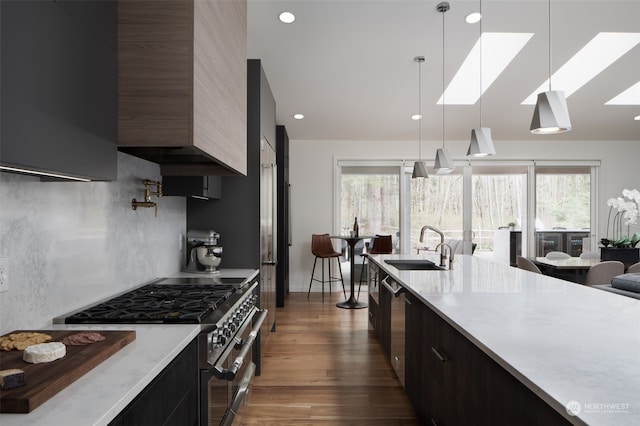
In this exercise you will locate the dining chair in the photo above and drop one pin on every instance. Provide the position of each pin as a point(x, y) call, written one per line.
point(382, 244)
point(557, 255)
point(634, 268)
point(527, 265)
point(603, 272)
point(322, 248)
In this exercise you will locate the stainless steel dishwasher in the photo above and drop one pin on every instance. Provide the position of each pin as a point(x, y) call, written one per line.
point(398, 300)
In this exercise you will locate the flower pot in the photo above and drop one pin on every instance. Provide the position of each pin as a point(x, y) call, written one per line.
point(628, 256)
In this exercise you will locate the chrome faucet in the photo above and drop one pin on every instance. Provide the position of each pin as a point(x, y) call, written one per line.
point(442, 255)
point(439, 232)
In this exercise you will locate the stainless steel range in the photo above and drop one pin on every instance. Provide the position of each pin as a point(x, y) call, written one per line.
point(230, 321)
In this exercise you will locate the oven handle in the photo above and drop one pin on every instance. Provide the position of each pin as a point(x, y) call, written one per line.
point(230, 374)
point(243, 390)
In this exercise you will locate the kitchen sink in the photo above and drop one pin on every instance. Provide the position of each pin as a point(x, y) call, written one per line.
point(414, 264)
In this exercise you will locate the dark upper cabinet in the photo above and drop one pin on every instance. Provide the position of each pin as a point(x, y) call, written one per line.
point(209, 187)
point(59, 87)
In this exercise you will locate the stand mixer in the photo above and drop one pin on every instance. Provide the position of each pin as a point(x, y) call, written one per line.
point(203, 254)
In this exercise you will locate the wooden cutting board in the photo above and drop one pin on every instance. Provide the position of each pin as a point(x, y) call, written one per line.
point(47, 379)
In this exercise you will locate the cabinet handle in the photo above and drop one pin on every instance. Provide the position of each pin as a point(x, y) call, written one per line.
point(435, 422)
point(440, 356)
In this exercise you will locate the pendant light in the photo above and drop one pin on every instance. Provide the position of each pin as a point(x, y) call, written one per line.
point(481, 144)
point(443, 164)
point(419, 167)
point(551, 114)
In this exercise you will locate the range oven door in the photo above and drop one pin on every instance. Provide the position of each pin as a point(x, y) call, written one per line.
point(224, 385)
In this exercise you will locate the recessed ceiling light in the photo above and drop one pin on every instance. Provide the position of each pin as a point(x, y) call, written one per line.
point(287, 17)
point(603, 50)
point(416, 117)
point(498, 50)
point(637, 118)
point(472, 18)
point(631, 96)
point(298, 116)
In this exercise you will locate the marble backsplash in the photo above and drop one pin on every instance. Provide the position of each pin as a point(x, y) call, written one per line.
point(69, 244)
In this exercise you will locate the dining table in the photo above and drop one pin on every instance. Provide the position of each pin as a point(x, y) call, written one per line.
point(352, 240)
point(571, 268)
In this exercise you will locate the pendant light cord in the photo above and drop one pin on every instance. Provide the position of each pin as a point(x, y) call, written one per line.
point(419, 109)
point(480, 52)
point(549, 42)
point(443, 89)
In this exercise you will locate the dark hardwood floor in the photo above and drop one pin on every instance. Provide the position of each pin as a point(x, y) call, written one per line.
point(324, 366)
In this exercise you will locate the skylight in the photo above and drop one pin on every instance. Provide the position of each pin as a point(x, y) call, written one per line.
point(498, 50)
point(631, 96)
point(603, 50)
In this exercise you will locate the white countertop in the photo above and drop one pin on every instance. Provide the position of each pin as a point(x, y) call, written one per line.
point(98, 396)
point(565, 341)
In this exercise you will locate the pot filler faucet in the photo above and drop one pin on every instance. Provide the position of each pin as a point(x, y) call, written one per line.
point(441, 245)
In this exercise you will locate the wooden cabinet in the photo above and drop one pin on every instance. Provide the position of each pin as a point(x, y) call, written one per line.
point(59, 87)
point(182, 95)
point(450, 381)
point(171, 398)
point(203, 187)
point(415, 369)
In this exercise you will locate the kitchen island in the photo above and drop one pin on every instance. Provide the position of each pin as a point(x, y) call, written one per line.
point(574, 347)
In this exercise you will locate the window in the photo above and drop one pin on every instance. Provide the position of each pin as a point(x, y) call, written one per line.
point(435, 201)
point(498, 199)
point(476, 200)
point(371, 194)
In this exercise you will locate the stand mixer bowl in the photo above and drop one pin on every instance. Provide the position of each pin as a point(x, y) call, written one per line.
point(209, 257)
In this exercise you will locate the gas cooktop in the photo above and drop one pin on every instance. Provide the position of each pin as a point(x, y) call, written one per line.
point(158, 303)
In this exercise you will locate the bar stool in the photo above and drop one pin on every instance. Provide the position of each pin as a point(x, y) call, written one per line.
point(382, 244)
point(322, 248)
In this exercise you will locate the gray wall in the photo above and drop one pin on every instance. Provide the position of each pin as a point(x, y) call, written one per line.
point(69, 244)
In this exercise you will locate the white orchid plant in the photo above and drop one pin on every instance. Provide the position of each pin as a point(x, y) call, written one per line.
point(627, 213)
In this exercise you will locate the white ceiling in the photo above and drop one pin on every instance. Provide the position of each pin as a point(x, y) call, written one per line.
point(348, 66)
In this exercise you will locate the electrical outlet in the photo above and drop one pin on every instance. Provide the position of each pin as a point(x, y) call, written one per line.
point(4, 274)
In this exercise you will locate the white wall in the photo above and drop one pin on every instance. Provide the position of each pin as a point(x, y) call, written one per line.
point(312, 170)
point(70, 244)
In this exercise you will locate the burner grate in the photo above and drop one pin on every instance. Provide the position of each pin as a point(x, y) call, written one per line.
point(153, 303)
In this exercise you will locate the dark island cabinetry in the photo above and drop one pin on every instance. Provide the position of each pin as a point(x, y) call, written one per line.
point(450, 381)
